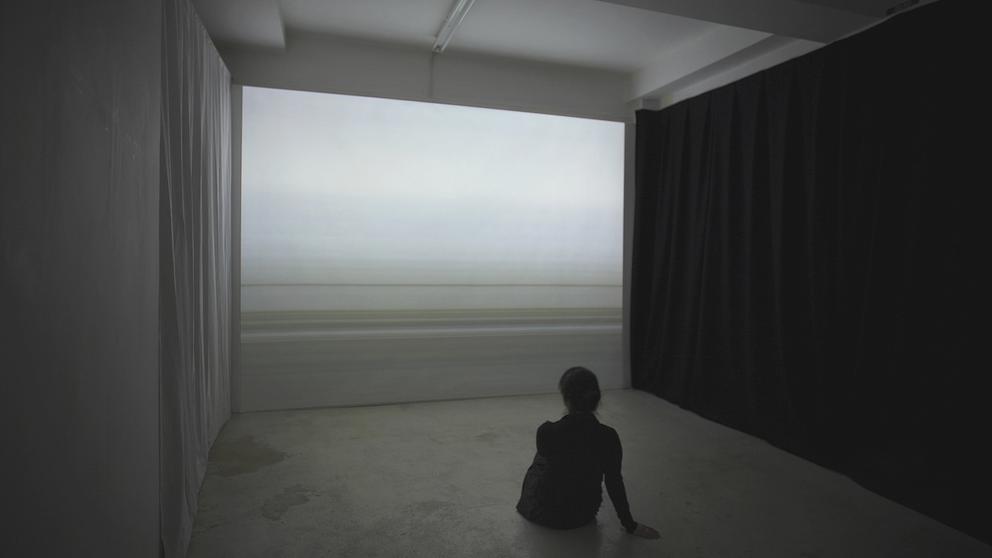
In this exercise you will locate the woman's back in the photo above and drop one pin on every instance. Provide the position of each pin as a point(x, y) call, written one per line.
point(562, 485)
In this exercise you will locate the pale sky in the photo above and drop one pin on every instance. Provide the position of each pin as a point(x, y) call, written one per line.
point(342, 189)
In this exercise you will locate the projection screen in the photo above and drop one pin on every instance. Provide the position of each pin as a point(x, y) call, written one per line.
point(400, 251)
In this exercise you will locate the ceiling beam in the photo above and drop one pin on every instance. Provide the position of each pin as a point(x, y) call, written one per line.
point(247, 22)
point(702, 51)
point(758, 57)
point(789, 18)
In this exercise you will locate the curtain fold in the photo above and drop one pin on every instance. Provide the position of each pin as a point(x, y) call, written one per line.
point(806, 260)
point(194, 244)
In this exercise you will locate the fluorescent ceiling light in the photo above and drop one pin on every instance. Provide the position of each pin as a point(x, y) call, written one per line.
point(455, 17)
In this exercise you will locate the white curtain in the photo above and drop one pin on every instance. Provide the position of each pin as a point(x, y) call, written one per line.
point(397, 250)
point(194, 240)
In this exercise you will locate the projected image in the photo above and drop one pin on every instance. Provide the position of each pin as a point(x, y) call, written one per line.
point(349, 192)
point(366, 214)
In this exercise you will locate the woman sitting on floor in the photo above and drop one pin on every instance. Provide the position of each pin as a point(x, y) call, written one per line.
point(562, 487)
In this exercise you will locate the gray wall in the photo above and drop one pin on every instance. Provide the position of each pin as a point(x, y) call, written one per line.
point(79, 120)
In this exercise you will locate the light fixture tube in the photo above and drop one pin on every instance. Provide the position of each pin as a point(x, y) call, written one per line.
point(455, 17)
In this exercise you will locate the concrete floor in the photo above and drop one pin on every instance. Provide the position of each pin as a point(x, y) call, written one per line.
point(441, 479)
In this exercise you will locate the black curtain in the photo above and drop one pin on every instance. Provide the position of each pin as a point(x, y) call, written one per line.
point(809, 253)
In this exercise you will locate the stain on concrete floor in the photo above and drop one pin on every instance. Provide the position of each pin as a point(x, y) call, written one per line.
point(430, 507)
point(276, 506)
point(241, 456)
point(487, 437)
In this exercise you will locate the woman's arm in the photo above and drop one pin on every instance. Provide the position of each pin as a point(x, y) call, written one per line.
point(618, 493)
point(614, 481)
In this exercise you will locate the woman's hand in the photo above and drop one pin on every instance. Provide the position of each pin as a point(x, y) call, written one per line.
point(645, 532)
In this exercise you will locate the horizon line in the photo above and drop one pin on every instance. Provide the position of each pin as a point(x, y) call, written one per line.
point(427, 285)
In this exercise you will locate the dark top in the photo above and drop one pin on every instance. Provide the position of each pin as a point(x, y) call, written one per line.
point(562, 486)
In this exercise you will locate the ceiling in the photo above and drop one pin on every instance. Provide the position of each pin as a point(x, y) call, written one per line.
point(655, 41)
point(577, 32)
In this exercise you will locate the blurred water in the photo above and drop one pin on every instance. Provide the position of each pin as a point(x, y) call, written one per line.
point(319, 345)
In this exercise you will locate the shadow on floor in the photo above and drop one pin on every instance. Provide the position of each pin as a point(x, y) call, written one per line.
point(589, 541)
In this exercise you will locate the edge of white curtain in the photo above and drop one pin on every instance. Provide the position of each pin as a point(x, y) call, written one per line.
point(195, 236)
